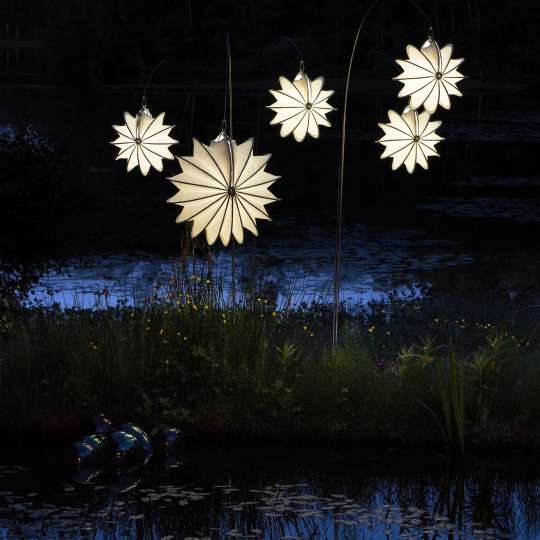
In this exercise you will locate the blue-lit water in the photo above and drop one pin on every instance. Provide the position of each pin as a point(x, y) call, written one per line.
point(296, 260)
point(273, 494)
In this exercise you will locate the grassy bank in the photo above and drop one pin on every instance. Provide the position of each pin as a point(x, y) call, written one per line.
point(460, 369)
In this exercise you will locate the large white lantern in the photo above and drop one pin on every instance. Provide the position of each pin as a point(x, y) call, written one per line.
point(430, 76)
point(301, 106)
point(223, 188)
point(144, 141)
point(409, 138)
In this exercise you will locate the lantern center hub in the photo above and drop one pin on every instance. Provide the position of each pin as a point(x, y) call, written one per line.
point(138, 140)
point(416, 138)
point(309, 105)
point(438, 75)
point(231, 192)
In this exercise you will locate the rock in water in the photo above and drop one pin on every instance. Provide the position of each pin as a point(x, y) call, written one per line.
point(87, 473)
point(125, 483)
point(126, 448)
point(84, 451)
point(142, 439)
point(102, 424)
point(171, 436)
point(91, 447)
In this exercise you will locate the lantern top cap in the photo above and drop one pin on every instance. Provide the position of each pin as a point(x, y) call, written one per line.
point(144, 108)
point(222, 135)
point(301, 71)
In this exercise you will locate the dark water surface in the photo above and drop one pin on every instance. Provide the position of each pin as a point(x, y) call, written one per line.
point(273, 493)
point(297, 259)
point(474, 212)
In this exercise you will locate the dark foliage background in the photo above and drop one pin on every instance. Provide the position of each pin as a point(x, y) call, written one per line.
point(69, 69)
point(87, 44)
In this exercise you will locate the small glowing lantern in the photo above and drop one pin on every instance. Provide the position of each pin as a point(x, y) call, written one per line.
point(301, 106)
point(430, 76)
point(223, 188)
point(409, 138)
point(144, 141)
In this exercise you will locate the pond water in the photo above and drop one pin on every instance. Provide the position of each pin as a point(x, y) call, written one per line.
point(455, 223)
point(475, 213)
point(296, 260)
point(274, 493)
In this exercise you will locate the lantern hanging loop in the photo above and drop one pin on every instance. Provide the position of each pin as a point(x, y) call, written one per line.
point(152, 73)
point(339, 210)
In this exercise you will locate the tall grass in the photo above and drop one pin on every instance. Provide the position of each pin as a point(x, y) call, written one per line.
point(185, 356)
point(450, 382)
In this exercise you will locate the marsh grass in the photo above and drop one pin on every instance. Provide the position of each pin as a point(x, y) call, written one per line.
point(450, 385)
point(184, 356)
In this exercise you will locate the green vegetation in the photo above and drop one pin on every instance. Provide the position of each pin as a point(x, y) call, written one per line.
point(261, 371)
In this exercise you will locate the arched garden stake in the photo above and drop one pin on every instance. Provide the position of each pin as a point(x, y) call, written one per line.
point(144, 140)
point(223, 187)
point(301, 105)
point(429, 78)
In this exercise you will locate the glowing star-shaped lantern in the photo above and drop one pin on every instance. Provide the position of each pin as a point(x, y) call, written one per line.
point(409, 138)
point(223, 189)
point(301, 106)
point(430, 76)
point(144, 141)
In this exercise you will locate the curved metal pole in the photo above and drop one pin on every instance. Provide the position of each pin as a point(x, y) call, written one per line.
point(337, 260)
point(227, 97)
point(298, 51)
point(228, 92)
point(152, 73)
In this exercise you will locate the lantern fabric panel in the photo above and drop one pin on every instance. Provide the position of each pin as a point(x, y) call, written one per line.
point(301, 106)
point(223, 189)
point(409, 139)
point(144, 141)
point(429, 76)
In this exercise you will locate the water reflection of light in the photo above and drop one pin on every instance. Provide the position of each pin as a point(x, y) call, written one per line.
point(297, 260)
point(302, 497)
